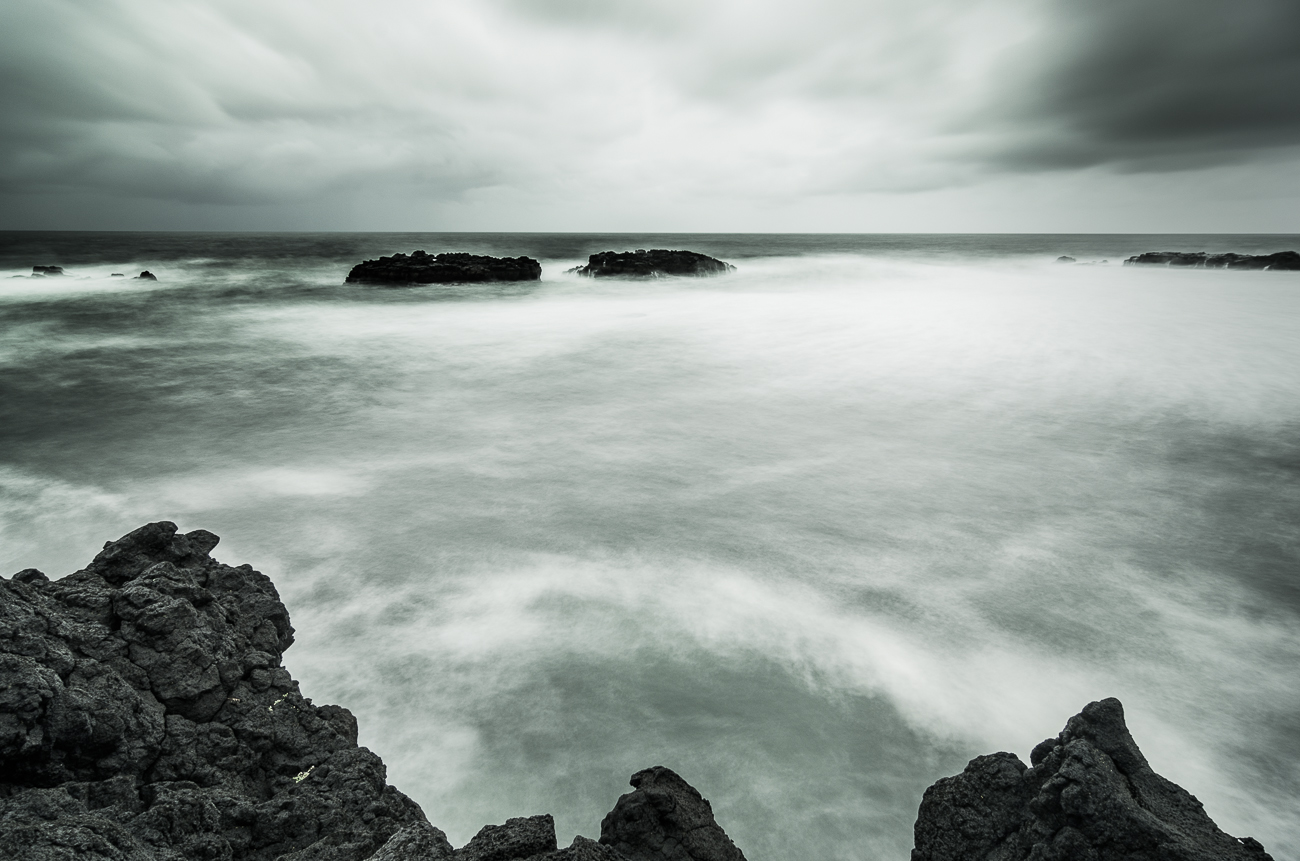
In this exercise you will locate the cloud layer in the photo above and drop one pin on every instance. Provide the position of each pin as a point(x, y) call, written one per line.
point(575, 106)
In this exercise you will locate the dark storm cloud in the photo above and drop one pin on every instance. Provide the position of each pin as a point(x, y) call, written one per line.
point(1152, 85)
point(599, 109)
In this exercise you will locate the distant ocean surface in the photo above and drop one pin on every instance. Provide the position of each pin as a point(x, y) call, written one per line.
point(813, 534)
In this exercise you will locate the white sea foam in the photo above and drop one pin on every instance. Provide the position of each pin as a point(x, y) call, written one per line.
point(816, 532)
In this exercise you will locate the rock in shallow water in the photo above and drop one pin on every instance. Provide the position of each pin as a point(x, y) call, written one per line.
point(455, 268)
point(655, 263)
point(1088, 796)
point(1282, 260)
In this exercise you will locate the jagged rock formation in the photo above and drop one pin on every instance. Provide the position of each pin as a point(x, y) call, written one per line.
point(144, 714)
point(665, 819)
point(1088, 796)
point(455, 268)
point(650, 264)
point(1289, 260)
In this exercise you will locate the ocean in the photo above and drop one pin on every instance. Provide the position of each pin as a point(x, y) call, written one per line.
point(812, 534)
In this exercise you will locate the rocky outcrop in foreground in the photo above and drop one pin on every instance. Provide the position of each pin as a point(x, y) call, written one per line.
point(650, 264)
point(1289, 260)
point(145, 716)
point(454, 268)
point(1089, 795)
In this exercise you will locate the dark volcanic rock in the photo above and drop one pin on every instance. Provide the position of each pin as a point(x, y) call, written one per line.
point(146, 275)
point(1287, 260)
point(665, 819)
point(650, 264)
point(1090, 795)
point(457, 268)
point(48, 270)
point(144, 714)
point(517, 838)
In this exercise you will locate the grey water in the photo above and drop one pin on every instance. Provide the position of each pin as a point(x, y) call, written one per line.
point(813, 534)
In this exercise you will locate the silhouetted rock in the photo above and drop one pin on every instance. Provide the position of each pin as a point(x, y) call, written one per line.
point(1064, 259)
point(1090, 795)
point(146, 275)
point(47, 271)
point(1286, 260)
point(650, 264)
point(665, 819)
point(144, 714)
point(455, 268)
point(117, 275)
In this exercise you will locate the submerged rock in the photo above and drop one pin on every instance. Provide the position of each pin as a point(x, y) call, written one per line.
point(454, 268)
point(1088, 795)
point(1285, 260)
point(655, 263)
point(1064, 259)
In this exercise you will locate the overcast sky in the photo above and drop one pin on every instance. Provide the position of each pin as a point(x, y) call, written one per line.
point(614, 115)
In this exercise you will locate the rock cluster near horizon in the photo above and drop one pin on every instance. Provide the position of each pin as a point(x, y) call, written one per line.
point(1282, 260)
point(145, 716)
point(420, 267)
point(655, 263)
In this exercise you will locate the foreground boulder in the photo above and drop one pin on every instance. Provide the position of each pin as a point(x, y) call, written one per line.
point(650, 264)
point(1089, 795)
point(1287, 260)
point(455, 268)
point(144, 714)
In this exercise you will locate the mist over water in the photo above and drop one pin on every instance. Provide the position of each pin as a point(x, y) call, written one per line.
point(812, 534)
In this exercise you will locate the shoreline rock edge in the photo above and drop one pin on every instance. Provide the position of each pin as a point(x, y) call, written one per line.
point(1088, 795)
point(145, 716)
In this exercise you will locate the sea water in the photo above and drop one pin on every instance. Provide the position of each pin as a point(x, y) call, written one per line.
point(813, 534)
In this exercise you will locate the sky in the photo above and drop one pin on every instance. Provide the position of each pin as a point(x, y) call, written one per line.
point(654, 115)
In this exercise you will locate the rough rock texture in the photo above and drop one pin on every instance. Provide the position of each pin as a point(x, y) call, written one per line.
point(1289, 260)
point(457, 268)
point(650, 264)
point(1089, 796)
point(665, 819)
point(144, 714)
point(517, 838)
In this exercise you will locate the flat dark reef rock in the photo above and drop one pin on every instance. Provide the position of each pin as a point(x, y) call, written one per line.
point(145, 715)
point(1282, 260)
point(656, 263)
point(420, 267)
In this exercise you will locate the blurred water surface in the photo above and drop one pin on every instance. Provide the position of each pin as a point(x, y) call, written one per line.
point(813, 533)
